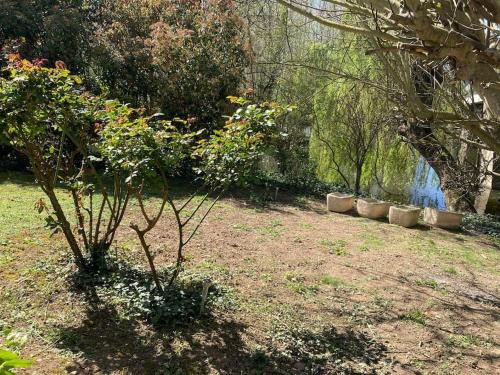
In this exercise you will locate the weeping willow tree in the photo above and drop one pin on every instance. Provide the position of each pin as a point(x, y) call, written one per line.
point(352, 141)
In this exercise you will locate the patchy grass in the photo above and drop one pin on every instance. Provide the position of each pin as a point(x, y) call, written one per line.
point(451, 271)
point(332, 281)
point(415, 316)
point(337, 247)
point(466, 252)
point(296, 283)
point(279, 304)
point(463, 341)
point(243, 227)
point(371, 241)
point(428, 283)
point(274, 230)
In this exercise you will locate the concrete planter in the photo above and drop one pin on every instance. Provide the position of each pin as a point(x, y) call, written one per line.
point(372, 208)
point(443, 219)
point(339, 202)
point(405, 216)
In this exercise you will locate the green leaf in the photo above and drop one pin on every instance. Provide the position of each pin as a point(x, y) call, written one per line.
point(18, 363)
point(5, 355)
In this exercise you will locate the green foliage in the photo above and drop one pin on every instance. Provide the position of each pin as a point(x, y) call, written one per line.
point(337, 247)
point(463, 341)
point(38, 105)
point(46, 114)
point(428, 283)
point(134, 294)
point(182, 58)
point(415, 316)
point(296, 283)
point(14, 339)
point(10, 360)
point(52, 29)
point(352, 123)
point(141, 146)
point(175, 56)
point(487, 224)
point(64, 131)
point(307, 184)
point(230, 154)
point(332, 281)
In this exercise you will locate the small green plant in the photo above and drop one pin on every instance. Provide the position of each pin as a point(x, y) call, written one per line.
point(274, 229)
point(5, 259)
point(371, 241)
point(332, 281)
point(382, 302)
point(243, 227)
point(10, 360)
point(415, 316)
point(337, 247)
point(294, 277)
point(428, 283)
point(451, 271)
point(296, 282)
point(462, 341)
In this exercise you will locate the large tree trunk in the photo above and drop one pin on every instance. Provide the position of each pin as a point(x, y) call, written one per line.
point(458, 194)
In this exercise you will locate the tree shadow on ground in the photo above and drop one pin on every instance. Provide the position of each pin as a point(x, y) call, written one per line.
point(471, 309)
point(107, 340)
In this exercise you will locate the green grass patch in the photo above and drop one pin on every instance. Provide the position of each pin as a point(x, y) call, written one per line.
point(332, 281)
point(371, 241)
point(415, 316)
point(296, 283)
point(337, 247)
point(463, 341)
point(274, 229)
point(470, 253)
point(428, 283)
point(243, 227)
point(5, 259)
point(451, 271)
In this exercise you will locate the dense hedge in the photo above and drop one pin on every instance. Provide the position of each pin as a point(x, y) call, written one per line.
point(307, 185)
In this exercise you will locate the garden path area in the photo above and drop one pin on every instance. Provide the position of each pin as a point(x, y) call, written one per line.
point(300, 291)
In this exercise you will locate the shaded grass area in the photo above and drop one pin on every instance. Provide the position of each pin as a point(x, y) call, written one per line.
point(295, 291)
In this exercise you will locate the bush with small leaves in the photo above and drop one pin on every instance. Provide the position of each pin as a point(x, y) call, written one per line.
point(46, 115)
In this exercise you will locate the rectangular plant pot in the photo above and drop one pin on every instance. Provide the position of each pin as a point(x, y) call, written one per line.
point(443, 219)
point(372, 208)
point(339, 202)
point(405, 216)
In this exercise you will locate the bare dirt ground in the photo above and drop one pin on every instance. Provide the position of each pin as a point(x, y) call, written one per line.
point(307, 292)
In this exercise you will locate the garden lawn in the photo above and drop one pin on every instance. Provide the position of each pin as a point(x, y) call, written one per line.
point(301, 291)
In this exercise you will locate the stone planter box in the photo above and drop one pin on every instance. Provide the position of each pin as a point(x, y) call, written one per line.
point(405, 216)
point(372, 208)
point(443, 219)
point(339, 202)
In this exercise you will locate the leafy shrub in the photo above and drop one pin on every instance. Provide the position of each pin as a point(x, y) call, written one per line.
point(486, 224)
point(180, 57)
point(46, 115)
point(307, 185)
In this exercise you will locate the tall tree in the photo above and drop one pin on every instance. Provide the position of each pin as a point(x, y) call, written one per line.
point(461, 36)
